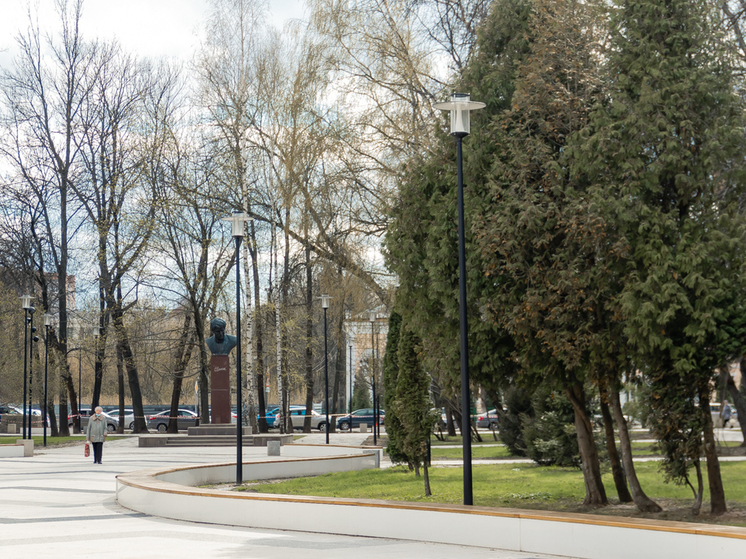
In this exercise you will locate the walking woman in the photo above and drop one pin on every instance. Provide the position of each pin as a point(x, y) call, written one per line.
point(96, 433)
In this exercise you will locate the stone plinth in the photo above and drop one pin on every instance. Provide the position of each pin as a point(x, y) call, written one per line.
point(220, 389)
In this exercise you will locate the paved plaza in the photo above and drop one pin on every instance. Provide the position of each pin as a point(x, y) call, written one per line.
point(59, 504)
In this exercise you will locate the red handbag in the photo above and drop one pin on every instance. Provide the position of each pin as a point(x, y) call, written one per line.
point(87, 450)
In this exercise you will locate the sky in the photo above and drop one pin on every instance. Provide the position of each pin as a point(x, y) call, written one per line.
point(152, 28)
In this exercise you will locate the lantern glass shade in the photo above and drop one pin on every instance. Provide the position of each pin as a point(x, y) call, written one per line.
point(26, 302)
point(95, 331)
point(237, 220)
point(372, 316)
point(460, 107)
point(325, 301)
point(48, 319)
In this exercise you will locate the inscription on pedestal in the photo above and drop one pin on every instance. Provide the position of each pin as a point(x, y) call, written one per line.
point(220, 389)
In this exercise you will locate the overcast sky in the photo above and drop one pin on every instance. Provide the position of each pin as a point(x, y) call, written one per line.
point(153, 28)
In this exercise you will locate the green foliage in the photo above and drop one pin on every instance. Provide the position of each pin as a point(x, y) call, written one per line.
point(518, 408)
point(412, 404)
point(361, 391)
point(549, 435)
point(394, 428)
point(663, 157)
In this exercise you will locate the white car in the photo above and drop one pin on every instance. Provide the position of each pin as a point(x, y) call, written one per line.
point(298, 416)
point(129, 418)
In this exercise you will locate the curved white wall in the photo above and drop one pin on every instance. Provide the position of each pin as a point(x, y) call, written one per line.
point(172, 494)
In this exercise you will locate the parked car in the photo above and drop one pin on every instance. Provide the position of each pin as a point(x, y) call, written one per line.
point(487, 420)
point(9, 410)
point(353, 420)
point(29, 410)
point(129, 418)
point(298, 416)
point(85, 415)
point(184, 420)
point(270, 415)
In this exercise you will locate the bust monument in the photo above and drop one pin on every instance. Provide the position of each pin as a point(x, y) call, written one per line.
point(220, 343)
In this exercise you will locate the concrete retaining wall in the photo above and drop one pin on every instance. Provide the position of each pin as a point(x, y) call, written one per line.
point(171, 494)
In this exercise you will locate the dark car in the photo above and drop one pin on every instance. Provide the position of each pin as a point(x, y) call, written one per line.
point(353, 420)
point(184, 420)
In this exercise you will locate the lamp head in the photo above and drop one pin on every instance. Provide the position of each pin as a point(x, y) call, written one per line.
point(26, 302)
point(47, 319)
point(325, 299)
point(460, 107)
point(372, 316)
point(237, 220)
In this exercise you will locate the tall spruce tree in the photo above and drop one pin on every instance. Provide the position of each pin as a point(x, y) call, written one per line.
point(664, 156)
point(394, 428)
point(412, 404)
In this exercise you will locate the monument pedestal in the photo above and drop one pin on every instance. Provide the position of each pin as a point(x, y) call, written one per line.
point(220, 389)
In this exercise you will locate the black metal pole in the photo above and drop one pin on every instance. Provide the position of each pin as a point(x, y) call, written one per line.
point(349, 402)
point(465, 400)
point(25, 366)
point(373, 375)
point(326, 380)
point(80, 363)
point(46, 368)
point(30, 370)
point(239, 399)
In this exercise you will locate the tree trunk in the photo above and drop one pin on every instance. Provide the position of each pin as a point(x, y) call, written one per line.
point(717, 493)
point(595, 493)
point(697, 505)
point(643, 502)
point(258, 332)
point(120, 382)
point(309, 337)
point(123, 345)
point(617, 471)
point(428, 492)
point(181, 356)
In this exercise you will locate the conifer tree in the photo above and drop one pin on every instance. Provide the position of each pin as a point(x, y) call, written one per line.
point(394, 428)
point(664, 156)
point(412, 404)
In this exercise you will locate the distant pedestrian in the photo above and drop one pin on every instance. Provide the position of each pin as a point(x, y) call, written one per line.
point(96, 433)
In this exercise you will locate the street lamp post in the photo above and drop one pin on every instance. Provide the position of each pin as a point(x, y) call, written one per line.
point(97, 369)
point(460, 107)
point(31, 367)
point(325, 305)
point(26, 304)
point(45, 415)
point(238, 219)
point(349, 402)
point(372, 318)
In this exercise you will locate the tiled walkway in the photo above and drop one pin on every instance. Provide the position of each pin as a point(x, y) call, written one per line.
point(59, 504)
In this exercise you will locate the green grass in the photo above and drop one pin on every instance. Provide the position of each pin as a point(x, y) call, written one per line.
point(526, 486)
point(484, 452)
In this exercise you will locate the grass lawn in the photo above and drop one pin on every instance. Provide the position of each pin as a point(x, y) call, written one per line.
point(526, 486)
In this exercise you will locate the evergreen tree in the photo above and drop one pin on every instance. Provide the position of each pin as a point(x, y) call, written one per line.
point(538, 243)
point(412, 405)
point(664, 156)
point(421, 241)
point(394, 428)
point(361, 392)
